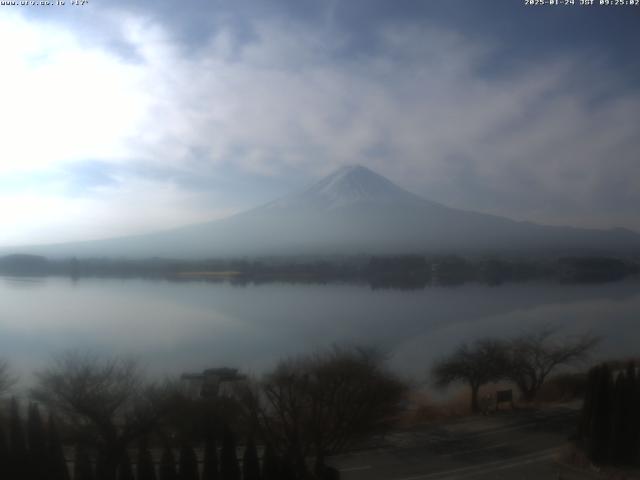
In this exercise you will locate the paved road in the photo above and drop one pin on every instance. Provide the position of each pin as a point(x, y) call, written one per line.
point(508, 445)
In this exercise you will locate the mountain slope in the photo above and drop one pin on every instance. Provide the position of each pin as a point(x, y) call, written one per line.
point(355, 211)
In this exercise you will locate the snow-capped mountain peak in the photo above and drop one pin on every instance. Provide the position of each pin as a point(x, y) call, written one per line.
point(354, 211)
point(349, 185)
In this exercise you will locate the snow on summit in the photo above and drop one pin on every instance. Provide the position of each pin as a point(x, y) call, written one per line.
point(349, 185)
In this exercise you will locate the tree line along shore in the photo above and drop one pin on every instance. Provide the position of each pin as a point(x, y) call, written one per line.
point(389, 271)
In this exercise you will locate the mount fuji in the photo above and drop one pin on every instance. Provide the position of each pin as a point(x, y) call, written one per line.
point(354, 211)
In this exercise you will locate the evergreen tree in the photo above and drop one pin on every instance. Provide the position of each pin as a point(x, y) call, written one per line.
point(586, 415)
point(82, 469)
point(125, 472)
point(619, 418)
point(19, 465)
point(600, 423)
point(37, 441)
point(57, 462)
point(250, 462)
point(287, 471)
point(610, 419)
point(229, 468)
point(103, 472)
point(632, 408)
point(270, 467)
point(210, 470)
point(188, 463)
point(636, 418)
point(4, 455)
point(325, 472)
point(145, 468)
point(168, 465)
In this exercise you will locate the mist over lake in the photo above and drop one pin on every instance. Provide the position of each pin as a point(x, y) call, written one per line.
point(174, 327)
point(319, 240)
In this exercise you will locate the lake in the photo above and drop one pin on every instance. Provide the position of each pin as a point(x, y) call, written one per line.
point(175, 327)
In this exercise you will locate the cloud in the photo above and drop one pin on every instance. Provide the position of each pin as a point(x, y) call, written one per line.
point(62, 102)
point(552, 141)
point(538, 142)
point(134, 206)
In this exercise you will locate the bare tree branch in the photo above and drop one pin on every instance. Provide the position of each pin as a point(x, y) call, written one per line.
point(104, 395)
point(534, 355)
point(482, 362)
point(324, 403)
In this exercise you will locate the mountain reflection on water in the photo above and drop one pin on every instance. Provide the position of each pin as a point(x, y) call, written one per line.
point(177, 326)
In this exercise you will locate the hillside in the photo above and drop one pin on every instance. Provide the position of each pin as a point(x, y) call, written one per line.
point(354, 211)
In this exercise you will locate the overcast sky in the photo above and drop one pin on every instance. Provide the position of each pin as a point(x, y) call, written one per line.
point(122, 117)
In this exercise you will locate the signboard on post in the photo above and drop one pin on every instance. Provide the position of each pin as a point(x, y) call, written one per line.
point(504, 396)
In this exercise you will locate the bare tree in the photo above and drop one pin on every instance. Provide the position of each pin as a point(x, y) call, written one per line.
point(534, 355)
point(482, 362)
point(324, 403)
point(104, 397)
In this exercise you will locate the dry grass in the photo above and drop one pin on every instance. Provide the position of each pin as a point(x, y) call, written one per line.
point(564, 387)
point(425, 409)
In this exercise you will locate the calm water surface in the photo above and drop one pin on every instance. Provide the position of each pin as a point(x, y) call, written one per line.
point(177, 327)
